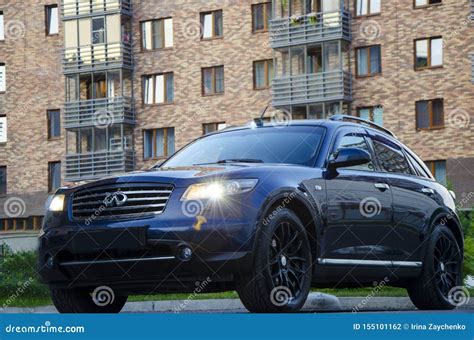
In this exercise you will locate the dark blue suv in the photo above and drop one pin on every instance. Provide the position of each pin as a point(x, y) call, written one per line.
point(267, 210)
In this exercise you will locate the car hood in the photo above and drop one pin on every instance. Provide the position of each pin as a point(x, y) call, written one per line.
point(185, 176)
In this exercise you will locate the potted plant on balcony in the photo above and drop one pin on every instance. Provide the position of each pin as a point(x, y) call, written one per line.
point(312, 18)
point(295, 20)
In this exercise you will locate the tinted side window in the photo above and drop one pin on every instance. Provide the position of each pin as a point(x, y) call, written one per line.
point(352, 140)
point(420, 171)
point(391, 158)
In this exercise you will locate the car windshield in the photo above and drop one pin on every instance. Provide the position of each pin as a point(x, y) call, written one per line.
point(289, 145)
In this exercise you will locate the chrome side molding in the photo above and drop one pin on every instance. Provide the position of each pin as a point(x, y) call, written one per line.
point(376, 263)
point(143, 259)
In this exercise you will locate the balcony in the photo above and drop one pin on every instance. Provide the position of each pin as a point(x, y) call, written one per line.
point(95, 165)
point(72, 9)
point(308, 29)
point(312, 88)
point(97, 57)
point(106, 111)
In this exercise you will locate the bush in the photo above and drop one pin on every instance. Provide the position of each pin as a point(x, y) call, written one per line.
point(467, 221)
point(18, 276)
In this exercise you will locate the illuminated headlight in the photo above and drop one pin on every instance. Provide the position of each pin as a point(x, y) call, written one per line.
point(217, 190)
point(57, 203)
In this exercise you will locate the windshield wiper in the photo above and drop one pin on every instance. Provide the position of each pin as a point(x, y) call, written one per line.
point(234, 160)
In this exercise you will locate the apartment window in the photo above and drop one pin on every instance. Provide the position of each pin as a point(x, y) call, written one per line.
point(54, 123)
point(428, 53)
point(261, 15)
point(429, 114)
point(3, 129)
point(3, 77)
point(424, 3)
point(2, 27)
point(158, 88)
point(52, 19)
point(212, 127)
point(367, 7)
point(98, 30)
point(3, 180)
point(158, 143)
point(157, 34)
point(211, 25)
point(213, 80)
point(372, 113)
point(438, 170)
point(54, 176)
point(369, 61)
point(262, 74)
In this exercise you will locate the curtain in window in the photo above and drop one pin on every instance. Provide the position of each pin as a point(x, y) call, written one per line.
point(148, 144)
point(362, 62)
point(170, 139)
point(218, 23)
point(158, 34)
point(440, 172)
point(149, 90)
point(207, 26)
point(168, 26)
point(362, 6)
point(438, 116)
point(207, 75)
point(260, 74)
point(2, 27)
point(52, 20)
point(258, 17)
point(364, 113)
point(378, 115)
point(375, 60)
point(160, 140)
point(160, 88)
point(436, 52)
point(169, 87)
point(422, 115)
point(422, 53)
point(147, 36)
point(219, 79)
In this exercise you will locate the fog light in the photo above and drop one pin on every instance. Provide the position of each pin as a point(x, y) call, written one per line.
point(186, 253)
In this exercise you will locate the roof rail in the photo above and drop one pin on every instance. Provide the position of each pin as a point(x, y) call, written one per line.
point(359, 120)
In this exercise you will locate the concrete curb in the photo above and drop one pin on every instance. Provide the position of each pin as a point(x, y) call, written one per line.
point(317, 302)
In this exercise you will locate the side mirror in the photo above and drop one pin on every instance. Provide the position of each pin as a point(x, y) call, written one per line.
point(349, 157)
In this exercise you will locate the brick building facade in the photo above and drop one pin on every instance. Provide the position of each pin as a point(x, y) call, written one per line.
point(161, 72)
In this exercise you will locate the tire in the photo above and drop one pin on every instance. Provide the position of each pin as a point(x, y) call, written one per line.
point(81, 301)
point(280, 279)
point(441, 275)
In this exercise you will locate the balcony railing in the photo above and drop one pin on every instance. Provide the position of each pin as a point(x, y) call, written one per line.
point(97, 57)
point(307, 29)
point(312, 88)
point(79, 8)
point(95, 165)
point(98, 112)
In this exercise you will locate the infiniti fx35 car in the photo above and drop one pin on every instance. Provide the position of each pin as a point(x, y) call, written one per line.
point(269, 211)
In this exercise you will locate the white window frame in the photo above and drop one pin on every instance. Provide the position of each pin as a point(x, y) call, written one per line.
point(3, 129)
point(3, 77)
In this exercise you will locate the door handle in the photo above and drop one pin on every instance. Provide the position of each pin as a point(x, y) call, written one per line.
point(428, 191)
point(382, 186)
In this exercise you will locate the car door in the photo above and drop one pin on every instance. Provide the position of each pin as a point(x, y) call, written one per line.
point(358, 209)
point(413, 200)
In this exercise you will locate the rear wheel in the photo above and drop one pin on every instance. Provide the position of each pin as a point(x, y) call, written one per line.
point(100, 300)
point(441, 280)
point(281, 275)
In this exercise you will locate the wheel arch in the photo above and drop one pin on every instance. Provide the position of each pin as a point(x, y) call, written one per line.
point(301, 203)
point(452, 222)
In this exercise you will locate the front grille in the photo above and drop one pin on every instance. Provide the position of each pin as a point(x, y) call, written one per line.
point(120, 200)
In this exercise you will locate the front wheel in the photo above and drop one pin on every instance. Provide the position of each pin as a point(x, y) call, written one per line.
point(441, 280)
point(100, 300)
point(281, 276)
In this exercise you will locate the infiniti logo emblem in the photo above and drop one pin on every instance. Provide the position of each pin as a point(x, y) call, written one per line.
point(115, 200)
